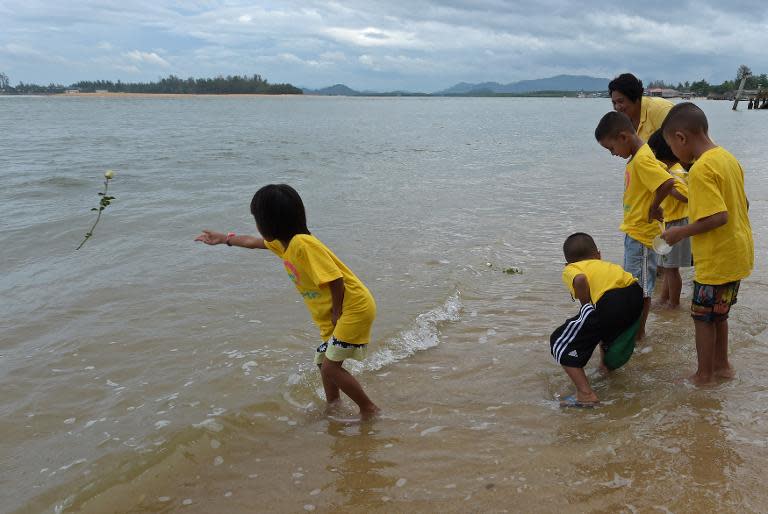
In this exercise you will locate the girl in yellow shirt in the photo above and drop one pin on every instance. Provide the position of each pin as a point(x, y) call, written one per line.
point(340, 305)
point(675, 208)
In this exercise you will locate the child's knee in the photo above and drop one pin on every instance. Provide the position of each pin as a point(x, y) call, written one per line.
point(329, 367)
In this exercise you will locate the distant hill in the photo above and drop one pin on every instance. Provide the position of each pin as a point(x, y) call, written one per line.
point(557, 83)
point(335, 90)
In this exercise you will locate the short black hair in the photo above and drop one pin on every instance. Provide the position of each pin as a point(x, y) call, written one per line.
point(279, 212)
point(685, 116)
point(660, 148)
point(579, 246)
point(628, 85)
point(612, 124)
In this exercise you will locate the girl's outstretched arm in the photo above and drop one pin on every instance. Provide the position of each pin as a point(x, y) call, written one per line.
point(210, 237)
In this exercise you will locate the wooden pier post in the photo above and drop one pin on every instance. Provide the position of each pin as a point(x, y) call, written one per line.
point(738, 93)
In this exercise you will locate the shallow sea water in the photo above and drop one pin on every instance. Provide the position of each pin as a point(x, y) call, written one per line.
point(146, 373)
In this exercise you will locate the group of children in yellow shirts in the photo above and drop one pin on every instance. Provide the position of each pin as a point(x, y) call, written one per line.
point(614, 299)
point(659, 200)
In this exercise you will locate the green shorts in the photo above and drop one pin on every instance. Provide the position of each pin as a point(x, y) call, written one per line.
point(338, 351)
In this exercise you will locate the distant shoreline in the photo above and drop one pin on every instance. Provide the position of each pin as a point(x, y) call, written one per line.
point(163, 95)
point(568, 94)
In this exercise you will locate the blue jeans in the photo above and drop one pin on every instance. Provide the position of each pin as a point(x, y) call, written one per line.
point(640, 262)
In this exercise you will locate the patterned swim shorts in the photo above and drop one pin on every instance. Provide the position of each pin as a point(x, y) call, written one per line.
point(713, 303)
point(339, 351)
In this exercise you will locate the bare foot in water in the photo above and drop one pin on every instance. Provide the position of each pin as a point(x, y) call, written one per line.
point(725, 373)
point(698, 380)
point(332, 407)
point(369, 414)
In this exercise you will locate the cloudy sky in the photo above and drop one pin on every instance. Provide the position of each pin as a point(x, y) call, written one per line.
point(386, 45)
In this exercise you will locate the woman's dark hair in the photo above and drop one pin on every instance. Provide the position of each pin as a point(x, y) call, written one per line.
point(660, 148)
point(628, 85)
point(279, 212)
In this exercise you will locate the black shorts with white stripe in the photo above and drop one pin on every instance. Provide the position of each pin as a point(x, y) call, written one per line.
point(573, 343)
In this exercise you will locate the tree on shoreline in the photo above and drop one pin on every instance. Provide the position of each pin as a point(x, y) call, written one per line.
point(231, 84)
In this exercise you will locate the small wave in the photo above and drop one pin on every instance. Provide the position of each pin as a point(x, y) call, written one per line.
point(304, 387)
point(424, 334)
point(58, 181)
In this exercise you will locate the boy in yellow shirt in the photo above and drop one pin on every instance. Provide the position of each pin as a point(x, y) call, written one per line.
point(675, 207)
point(720, 232)
point(646, 184)
point(611, 306)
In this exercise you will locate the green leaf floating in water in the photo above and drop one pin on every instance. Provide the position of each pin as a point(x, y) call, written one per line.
point(512, 270)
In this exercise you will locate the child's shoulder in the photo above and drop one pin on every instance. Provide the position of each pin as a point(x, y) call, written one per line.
point(307, 243)
point(644, 159)
point(717, 159)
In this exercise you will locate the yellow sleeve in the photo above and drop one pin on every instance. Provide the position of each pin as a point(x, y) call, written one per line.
point(318, 264)
point(658, 112)
point(652, 173)
point(705, 191)
point(569, 273)
point(275, 246)
point(681, 187)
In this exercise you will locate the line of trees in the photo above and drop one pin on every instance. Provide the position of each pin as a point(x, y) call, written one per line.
point(704, 88)
point(231, 84)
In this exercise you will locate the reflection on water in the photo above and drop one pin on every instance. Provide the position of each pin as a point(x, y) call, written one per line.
point(147, 374)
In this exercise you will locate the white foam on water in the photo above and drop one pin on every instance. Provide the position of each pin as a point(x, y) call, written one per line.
point(162, 423)
point(401, 482)
point(209, 424)
point(424, 334)
point(94, 421)
point(618, 481)
point(431, 430)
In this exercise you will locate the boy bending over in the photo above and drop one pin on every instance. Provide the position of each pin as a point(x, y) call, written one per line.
point(646, 184)
point(611, 306)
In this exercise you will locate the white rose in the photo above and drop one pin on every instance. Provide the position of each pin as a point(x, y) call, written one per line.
point(109, 174)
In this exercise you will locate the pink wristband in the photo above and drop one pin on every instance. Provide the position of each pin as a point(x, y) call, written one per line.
point(230, 235)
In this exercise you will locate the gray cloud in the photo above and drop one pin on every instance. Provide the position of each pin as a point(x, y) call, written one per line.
point(424, 45)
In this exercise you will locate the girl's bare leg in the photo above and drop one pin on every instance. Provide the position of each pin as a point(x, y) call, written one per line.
point(335, 374)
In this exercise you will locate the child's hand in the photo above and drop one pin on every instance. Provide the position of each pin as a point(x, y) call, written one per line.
point(672, 235)
point(212, 238)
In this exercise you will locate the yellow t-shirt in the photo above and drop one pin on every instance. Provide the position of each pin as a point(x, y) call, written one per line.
point(643, 176)
point(716, 184)
point(674, 209)
point(602, 276)
point(653, 111)
point(311, 266)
